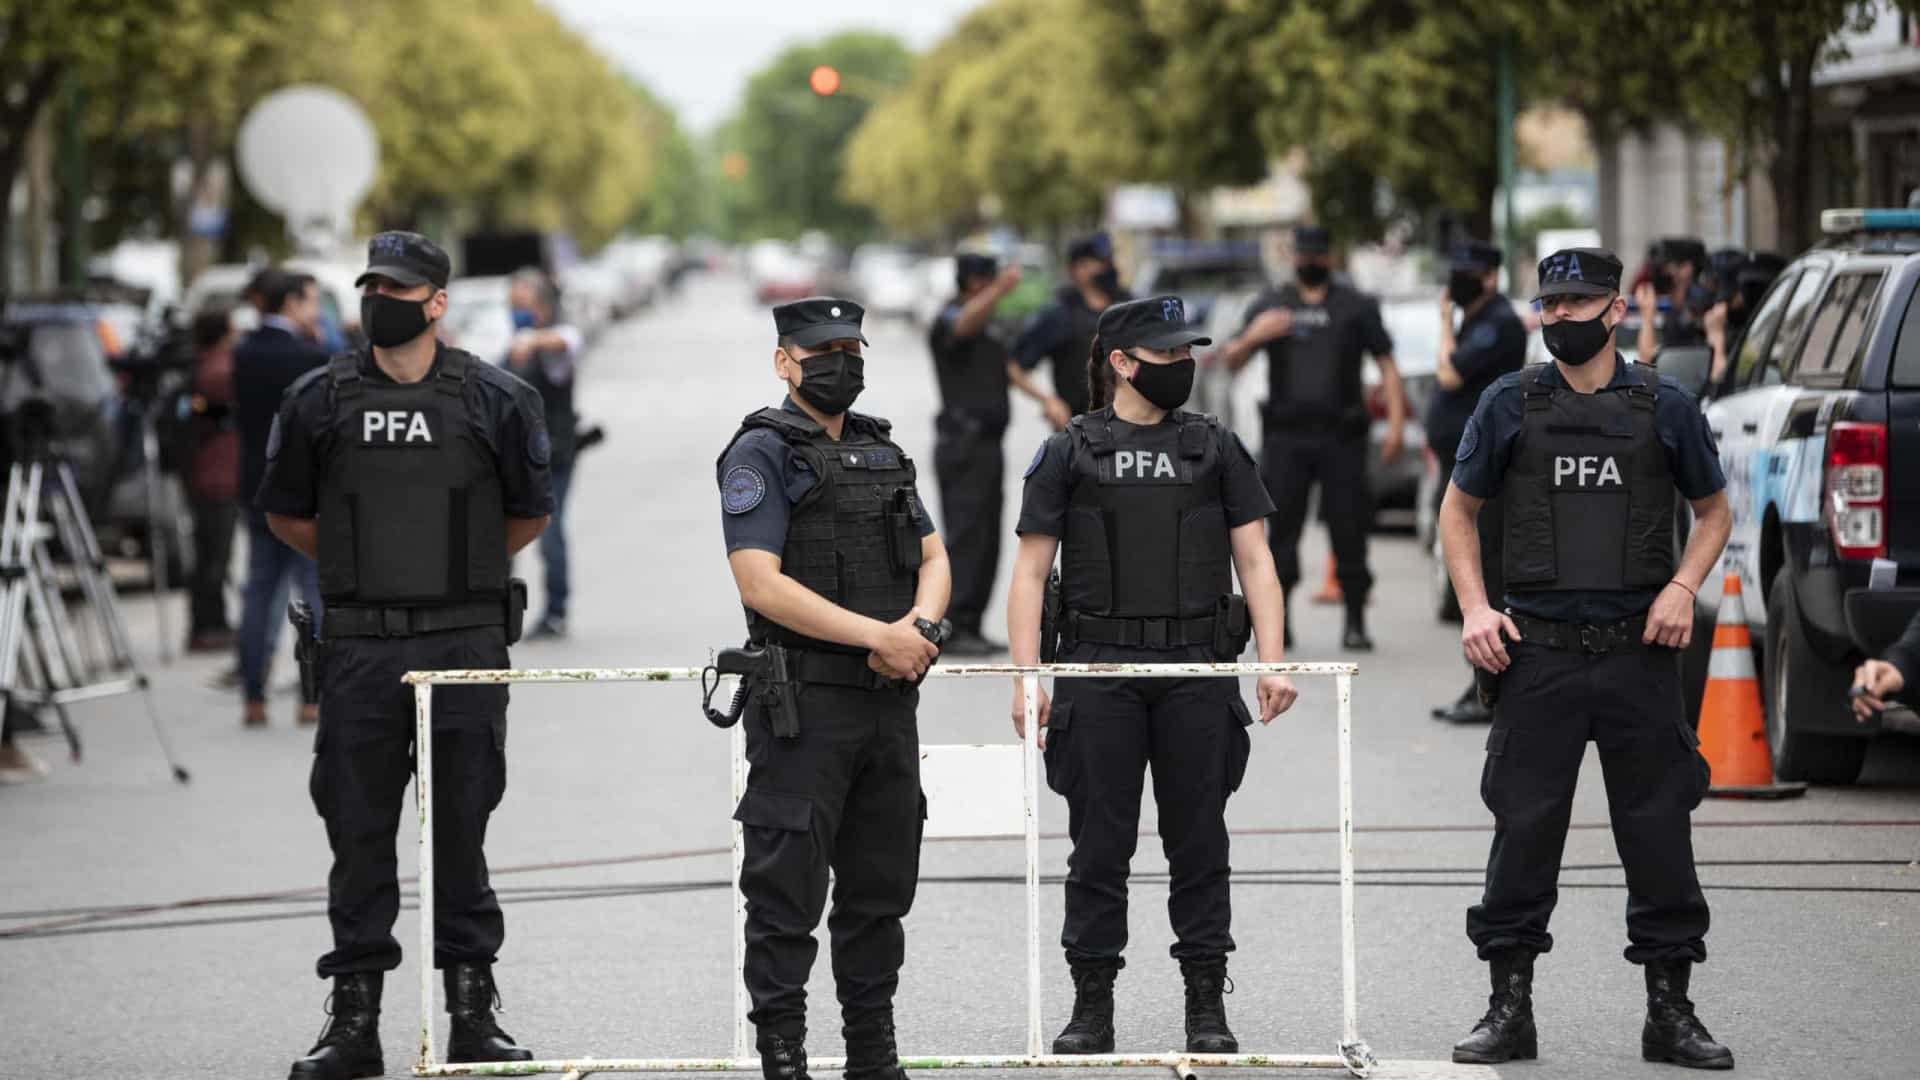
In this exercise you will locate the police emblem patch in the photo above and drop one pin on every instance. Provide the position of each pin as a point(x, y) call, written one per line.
point(1038, 453)
point(1481, 337)
point(742, 489)
point(1469, 440)
point(539, 446)
point(273, 439)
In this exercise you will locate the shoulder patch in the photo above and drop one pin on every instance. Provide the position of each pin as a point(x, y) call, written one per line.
point(539, 445)
point(742, 489)
point(1481, 336)
point(273, 439)
point(1469, 440)
point(1033, 466)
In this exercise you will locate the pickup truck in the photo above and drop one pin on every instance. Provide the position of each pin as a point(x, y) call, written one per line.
point(1818, 424)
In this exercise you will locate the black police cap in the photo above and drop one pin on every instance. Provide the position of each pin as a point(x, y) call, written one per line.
point(973, 264)
point(1157, 322)
point(1579, 272)
point(1474, 255)
point(1096, 246)
point(1312, 240)
point(819, 319)
point(1679, 249)
point(406, 258)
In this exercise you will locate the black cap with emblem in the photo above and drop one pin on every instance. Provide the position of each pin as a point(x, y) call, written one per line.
point(970, 264)
point(1474, 255)
point(1094, 246)
point(1579, 272)
point(1157, 322)
point(1312, 240)
point(819, 319)
point(407, 258)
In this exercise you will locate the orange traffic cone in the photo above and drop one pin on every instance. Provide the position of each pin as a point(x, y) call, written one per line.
point(1330, 588)
point(1733, 730)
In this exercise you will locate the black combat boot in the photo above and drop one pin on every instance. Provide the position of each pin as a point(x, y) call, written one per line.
point(1354, 638)
point(1673, 1033)
point(1467, 710)
point(1090, 1031)
point(783, 1054)
point(1207, 1030)
point(349, 1047)
point(872, 1053)
point(1506, 1033)
point(473, 1035)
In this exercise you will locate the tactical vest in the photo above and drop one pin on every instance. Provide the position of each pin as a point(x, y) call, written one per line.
point(1070, 368)
point(410, 507)
point(854, 538)
point(557, 402)
point(1589, 491)
point(1146, 532)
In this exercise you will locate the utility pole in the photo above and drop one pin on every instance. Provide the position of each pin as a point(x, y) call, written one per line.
point(1503, 106)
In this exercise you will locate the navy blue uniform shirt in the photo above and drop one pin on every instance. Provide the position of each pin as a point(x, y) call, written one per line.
point(1049, 484)
point(506, 412)
point(1492, 342)
point(1480, 467)
point(761, 479)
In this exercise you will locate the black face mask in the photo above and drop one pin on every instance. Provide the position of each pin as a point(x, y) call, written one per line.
point(1662, 282)
point(831, 381)
point(1464, 288)
point(1572, 342)
point(1108, 281)
point(390, 322)
point(1167, 386)
point(1312, 275)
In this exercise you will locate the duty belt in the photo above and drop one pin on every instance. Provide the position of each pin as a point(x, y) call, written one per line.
point(1596, 639)
point(1143, 633)
point(838, 669)
point(391, 622)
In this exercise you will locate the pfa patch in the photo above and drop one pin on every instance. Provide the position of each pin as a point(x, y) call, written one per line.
point(273, 439)
point(1469, 440)
point(742, 489)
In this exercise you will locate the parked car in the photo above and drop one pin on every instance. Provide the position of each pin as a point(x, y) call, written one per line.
point(1818, 424)
point(1199, 274)
point(887, 280)
point(1398, 487)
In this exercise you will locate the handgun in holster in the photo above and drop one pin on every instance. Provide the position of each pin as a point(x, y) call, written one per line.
point(306, 650)
point(765, 678)
point(1050, 618)
point(1232, 627)
point(1486, 686)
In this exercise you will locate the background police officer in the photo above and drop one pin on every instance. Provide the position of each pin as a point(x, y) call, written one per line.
point(971, 366)
point(1671, 302)
point(546, 354)
point(1588, 452)
point(838, 565)
point(1490, 343)
point(1315, 332)
point(412, 472)
point(1060, 331)
point(1153, 509)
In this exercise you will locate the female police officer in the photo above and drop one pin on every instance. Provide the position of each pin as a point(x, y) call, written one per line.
point(1152, 506)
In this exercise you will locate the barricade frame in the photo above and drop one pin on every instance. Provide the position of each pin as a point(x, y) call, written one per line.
point(1353, 1053)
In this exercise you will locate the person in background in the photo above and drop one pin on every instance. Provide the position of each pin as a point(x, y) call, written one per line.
point(213, 480)
point(1891, 677)
point(265, 363)
point(544, 354)
point(1674, 263)
point(1061, 331)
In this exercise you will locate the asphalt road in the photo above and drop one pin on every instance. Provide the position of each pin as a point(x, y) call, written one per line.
point(179, 924)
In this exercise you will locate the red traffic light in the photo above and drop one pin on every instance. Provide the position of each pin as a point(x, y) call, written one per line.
point(825, 80)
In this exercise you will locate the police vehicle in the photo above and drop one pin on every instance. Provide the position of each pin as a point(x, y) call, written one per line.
point(1818, 424)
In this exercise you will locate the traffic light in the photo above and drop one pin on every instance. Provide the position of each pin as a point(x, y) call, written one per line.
point(825, 80)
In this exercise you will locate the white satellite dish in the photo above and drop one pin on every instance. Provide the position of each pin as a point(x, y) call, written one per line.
point(308, 153)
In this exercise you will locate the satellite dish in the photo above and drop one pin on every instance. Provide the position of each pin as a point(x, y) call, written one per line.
point(308, 153)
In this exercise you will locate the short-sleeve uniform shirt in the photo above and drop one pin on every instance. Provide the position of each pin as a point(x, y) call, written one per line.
point(1480, 467)
point(1049, 484)
point(1314, 371)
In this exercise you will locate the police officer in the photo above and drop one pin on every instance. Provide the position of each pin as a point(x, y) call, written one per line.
point(1727, 320)
point(838, 566)
point(546, 353)
point(1588, 453)
point(1671, 301)
point(1152, 510)
point(1490, 343)
point(971, 365)
point(1060, 331)
point(412, 472)
point(1315, 331)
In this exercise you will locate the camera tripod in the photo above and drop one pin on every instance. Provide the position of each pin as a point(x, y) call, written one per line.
point(73, 656)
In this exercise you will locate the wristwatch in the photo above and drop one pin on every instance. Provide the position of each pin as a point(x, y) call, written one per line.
point(936, 632)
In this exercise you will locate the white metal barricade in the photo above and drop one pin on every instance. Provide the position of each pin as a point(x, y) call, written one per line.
point(1353, 1056)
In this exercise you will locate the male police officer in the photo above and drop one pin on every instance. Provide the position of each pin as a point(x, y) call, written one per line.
point(412, 472)
point(1490, 343)
point(1315, 331)
point(843, 578)
point(1060, 332)
point(546, 354)
point(1670, 302)
point(1587, 453)
point(971, 366)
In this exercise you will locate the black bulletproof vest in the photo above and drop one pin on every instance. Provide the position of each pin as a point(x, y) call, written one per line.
point(1146, 532)
point(972, 374)
point(557, 401)
point(1070, 365)
point(1589, 491)
point(411, 512)
point(854, 538)
point(1313, 374)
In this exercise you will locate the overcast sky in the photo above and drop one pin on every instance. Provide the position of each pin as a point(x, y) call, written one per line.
point(698, 53)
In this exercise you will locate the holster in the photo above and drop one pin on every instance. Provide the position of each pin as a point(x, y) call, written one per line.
point(1050, 619)
point(516, 601)
point(306, 650)
point(1486, 686)
point(1232, 627)
point(903, 532)
point(766, 679)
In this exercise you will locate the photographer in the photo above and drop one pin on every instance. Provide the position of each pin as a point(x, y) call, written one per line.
point(1672, 307)
point(213, 479)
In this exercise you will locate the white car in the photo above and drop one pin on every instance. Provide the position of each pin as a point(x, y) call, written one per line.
point(479, 319)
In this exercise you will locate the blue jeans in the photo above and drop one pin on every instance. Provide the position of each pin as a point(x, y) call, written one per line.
point(271, 567)
point(553, 544)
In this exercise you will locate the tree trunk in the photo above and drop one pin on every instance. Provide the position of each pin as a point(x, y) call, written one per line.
point(1794, 211)
point(16, 124)
point(196, 251)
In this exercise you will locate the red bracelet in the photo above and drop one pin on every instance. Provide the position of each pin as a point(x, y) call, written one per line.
point(1682, 584)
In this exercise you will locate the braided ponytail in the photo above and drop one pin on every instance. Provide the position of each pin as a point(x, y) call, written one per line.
point(1099, 377)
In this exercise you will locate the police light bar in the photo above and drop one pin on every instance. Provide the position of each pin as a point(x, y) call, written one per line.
point(1856, 220)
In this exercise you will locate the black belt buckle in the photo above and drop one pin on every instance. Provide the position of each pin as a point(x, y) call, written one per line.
point(395, 622)
point(1154, 633)
point(1596, 640)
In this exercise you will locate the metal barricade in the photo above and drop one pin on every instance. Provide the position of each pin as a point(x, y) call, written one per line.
point(1353, 1056)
